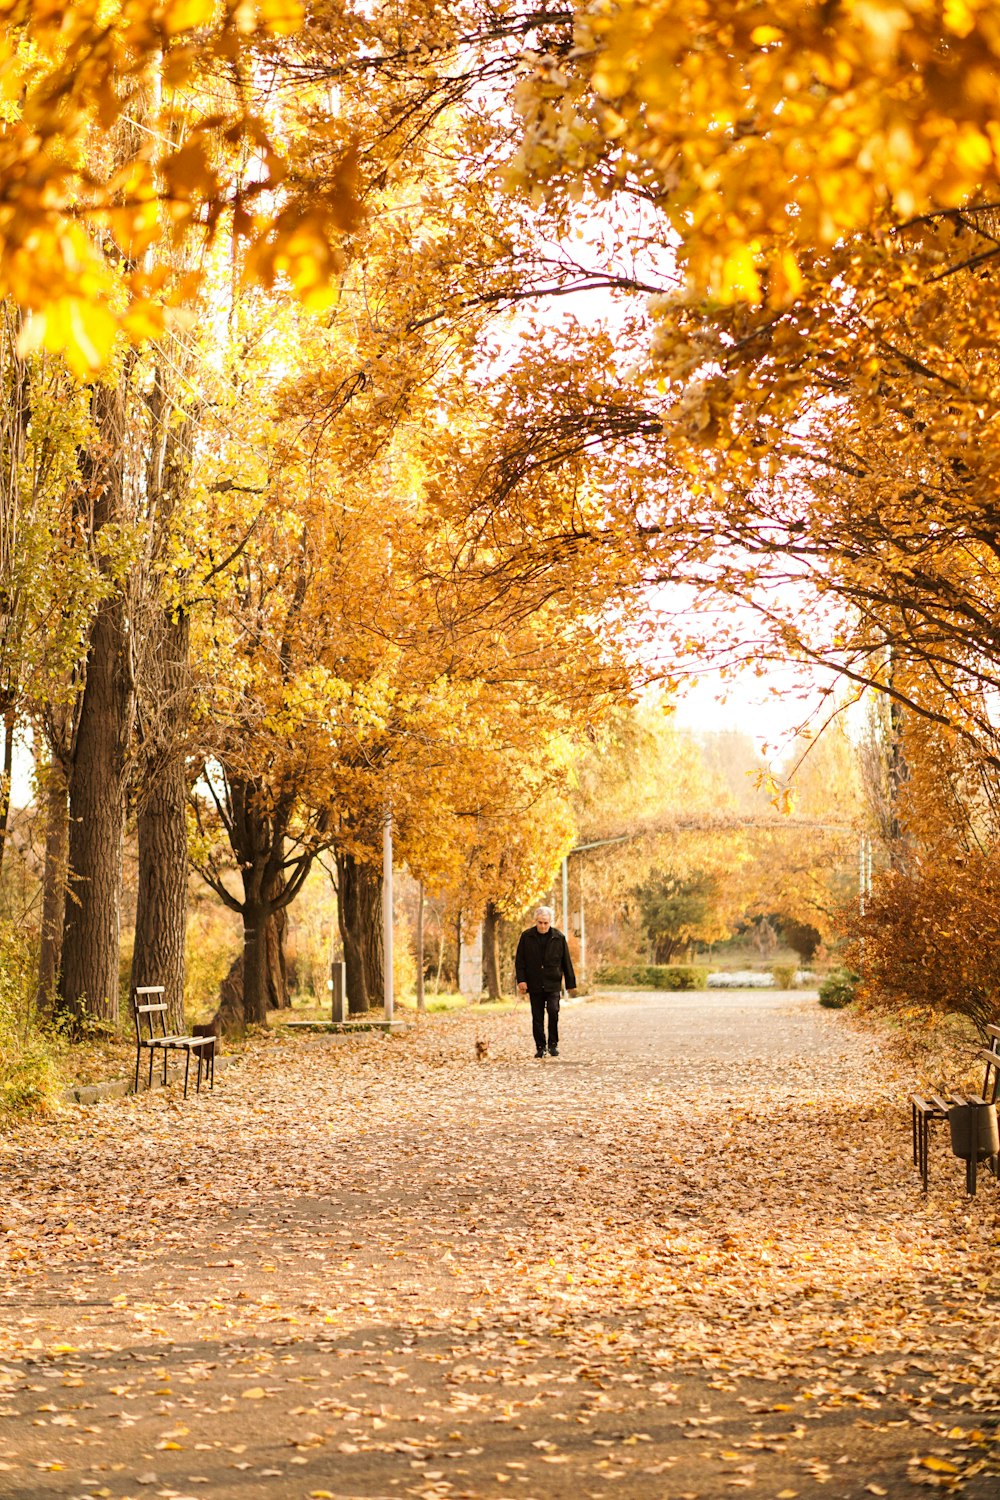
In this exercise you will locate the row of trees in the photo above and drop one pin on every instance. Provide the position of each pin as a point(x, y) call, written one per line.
point(369, 525)
point(290, 564)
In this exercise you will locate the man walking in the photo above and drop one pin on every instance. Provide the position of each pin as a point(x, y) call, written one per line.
point(541, 964)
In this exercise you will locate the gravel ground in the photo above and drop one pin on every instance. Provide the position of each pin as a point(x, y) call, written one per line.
point(687, 1258)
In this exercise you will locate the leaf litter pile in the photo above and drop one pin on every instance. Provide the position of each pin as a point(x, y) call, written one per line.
point(689, 1258)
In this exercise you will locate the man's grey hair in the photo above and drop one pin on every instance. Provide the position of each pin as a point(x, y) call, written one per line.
point(544, 911)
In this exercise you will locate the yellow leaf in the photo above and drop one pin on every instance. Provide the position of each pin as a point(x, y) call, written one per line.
point(280, 17)
point(938, 1465)
point(255, 1393)
point(82, 331)
point(739, 281)
point(761, 35)
point(185, 15)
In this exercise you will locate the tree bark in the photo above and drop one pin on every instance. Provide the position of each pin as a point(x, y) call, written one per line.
point(15, 406)
point(255, 987)
point(421, 1001)
point(491, 951)
point(161, 911)
point(277, 961)
point(88, 984)
point(371, 931)
point(898, 773)
point(9, 723)
point(53, 884)
point(350, 921)
point(229, 1015)
point(165, 696)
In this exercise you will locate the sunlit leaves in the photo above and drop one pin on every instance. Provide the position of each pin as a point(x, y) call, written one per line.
point(124, 128)
point(766, 137)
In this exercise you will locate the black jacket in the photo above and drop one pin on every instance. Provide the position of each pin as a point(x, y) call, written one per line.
point(542, 962)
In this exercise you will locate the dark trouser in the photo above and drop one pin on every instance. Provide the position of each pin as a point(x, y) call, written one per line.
point(549, 1001)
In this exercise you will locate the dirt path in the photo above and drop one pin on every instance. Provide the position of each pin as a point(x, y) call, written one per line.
point(688, 1258)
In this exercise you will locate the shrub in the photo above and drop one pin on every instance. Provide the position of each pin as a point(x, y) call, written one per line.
point(838, 989)
point(29, 1078)
point(678, 977)
point(654, 976)
point(784, 976)
point(930, 938)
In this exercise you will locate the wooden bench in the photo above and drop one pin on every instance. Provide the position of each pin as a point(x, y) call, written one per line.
point(149, 1011)
point(926, 1108)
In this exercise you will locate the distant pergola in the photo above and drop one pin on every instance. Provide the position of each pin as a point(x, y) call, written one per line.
point(721, 823)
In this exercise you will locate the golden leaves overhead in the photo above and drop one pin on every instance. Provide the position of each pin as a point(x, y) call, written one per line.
point(123, 129)
point(765, 134)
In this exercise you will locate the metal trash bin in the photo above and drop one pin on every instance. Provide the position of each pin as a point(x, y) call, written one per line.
point(975, 1136)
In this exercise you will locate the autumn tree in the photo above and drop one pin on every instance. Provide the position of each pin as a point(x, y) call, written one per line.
point(72, 77)
point(827, 343)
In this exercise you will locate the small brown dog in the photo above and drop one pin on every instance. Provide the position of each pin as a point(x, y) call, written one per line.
point(481, 1050)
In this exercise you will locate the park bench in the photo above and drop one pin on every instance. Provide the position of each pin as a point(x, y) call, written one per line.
point(149, 1011)
point(926, 1108)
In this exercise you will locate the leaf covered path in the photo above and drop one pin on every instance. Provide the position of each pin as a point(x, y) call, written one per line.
point(689, 1258)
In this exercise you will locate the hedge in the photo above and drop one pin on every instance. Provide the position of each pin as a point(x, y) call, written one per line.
point(654, 976)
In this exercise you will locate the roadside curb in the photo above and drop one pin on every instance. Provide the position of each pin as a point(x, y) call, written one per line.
point(346, 1028)
point(121, 1088)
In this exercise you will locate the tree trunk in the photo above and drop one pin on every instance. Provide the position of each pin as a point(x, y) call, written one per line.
point(161, 911)
point(277, 961)
point(53, 884)
point(88, 984)
point(440, 958)
point(255, 972)
point(229, 1015)
point(349, 919)
point(371, 931)
point(15, 410)
point(9, 723)
point(421, 1002)
point(491, 951)
point(898, 773)
point(165, 690)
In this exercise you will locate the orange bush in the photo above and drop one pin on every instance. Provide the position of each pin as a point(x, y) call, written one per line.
point(930, 937)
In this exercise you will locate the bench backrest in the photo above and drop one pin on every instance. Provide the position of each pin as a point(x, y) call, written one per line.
point(149, 1011)
point(991, 1090)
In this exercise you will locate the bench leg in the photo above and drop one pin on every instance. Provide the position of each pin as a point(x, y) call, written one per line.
point(138, 1055)
point(187, 1068)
